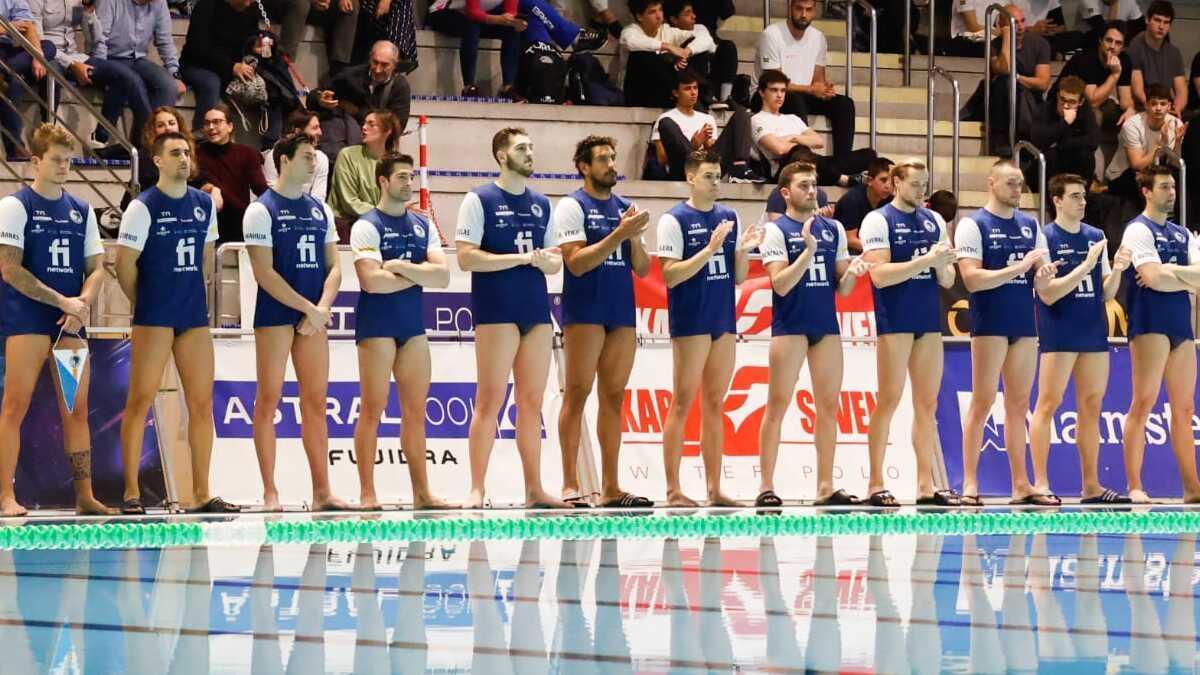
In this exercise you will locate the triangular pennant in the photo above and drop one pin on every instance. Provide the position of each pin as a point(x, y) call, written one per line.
point(70, 370)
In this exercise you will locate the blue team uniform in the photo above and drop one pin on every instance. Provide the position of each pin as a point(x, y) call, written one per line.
point(297, 231)
point(56, 237)
point(509, 224)
point(810, 307)
point(381, 237)
point(1077, 322)
point(704, 304)
point(912, 306)
point(171, 234)
point(1152, 311)
point(1006, 310)
point(604, 295)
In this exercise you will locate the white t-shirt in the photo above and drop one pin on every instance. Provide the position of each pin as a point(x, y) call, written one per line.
point(135, 226)
point(13, 219)
point(764, 123)
point(1140, 241)
point(634, 39)
point(957, 25)
point(365, 241)
point(688, 124)
point(1136, 134)
point(670, 236)
point(471, 221)
point(873, 233)
point(317, 187)
point(778, 50)
point(774, 245)
point(968, 240)
point(1035, 10)
point(256, 225)
point(1127, 10)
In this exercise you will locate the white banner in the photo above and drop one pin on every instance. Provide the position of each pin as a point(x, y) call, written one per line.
point(648, 396)
point(448, 412)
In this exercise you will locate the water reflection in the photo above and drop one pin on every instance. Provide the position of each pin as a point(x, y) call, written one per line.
point(889, 604)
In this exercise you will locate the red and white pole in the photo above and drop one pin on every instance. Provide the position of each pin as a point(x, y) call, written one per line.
point(423, 161)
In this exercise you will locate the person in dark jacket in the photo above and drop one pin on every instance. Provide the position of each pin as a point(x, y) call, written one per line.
point(234, 168)
point(376, 84)
point(1066, 132)
point(213, 52)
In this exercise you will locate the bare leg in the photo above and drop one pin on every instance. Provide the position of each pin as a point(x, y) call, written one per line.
point(77, 439)
point(616, 362)
point(786, 355)
point(1091, 380)
point(891, 359)
point(718, 370)
point(495, 350)
point(271, 347)
point(1054, 374)
point(825, 367)
point(689, 356)
point(987, 359)
point(925, 371)
point(1180, 379)
point(310, 357)
point(582, 344)
point(531, 367)
point(376, 357)
point(194, 359)
point(1148, 354)
point(150, 349)
point(1020, 366)
point(24, 356)
point(413, 372)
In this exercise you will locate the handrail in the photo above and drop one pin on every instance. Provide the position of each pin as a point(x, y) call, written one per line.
point(1041, 159)
point(907, 61)
point(1176, 157)
point(871, 14)
point(987, 76)
point(934, 73)
point(55, 80)
point(766, 14)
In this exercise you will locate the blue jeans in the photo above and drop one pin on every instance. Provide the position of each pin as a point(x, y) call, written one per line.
point(546, 24)
point(122, 89)
point(207, 87)
point(22, 64)
point(456, 24)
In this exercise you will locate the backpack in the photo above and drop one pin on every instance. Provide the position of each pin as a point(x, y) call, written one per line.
point(542, 74)
point(588, 84)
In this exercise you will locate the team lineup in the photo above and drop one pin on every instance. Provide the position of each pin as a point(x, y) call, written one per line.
point(1037, 309)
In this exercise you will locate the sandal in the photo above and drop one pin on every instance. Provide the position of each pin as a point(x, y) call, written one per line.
point(972, 501)
point(217, 505)
point(941, 498)
point(768, 499)
point(577, 501)
point(628, 501)
point(1037, 500)
point(133, 507)
point(883, 499)
point(838, 498)
point(1107, 497)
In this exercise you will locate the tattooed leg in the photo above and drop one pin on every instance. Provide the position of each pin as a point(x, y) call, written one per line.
point(86, 503)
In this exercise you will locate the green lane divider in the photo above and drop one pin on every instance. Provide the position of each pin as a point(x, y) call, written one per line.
point(253, 531)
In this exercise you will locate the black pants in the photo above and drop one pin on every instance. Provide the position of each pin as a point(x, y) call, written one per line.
point(960, 46)
point(733, 143)
point(649, 80)
point(717, 68)
point(830, 168)
point(1126, 188)
point(839, 110)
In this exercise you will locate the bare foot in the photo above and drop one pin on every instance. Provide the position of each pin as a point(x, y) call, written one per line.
point(431, 503)
point(9, 508)
point(475, 500)
point(327, 504)
point(719, 499)
point(1139, 497)
point(370, 503)
point(90, 506)
point(680, 499)
point(271, 503)
point(545, 501)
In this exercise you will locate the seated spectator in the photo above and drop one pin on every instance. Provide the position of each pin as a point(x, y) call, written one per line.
point(798, 49)
point(234, 168)
point(1067, 134)
point(863, 198)
point(353, 190)
point(306, 122)
point(781, 139)
point(17, 12)
point(1045, 17)
point(1155, 60)
point(683, 130)
point(391, 21)
point(1141, 137)
point(215, 49)
point(339, 18)
point(966, 29)
point(339, 129)
point(777, 205)
point(374, 85)
point(654, 54)
point(943, 203)
point(169, 121)
point(1099, 14)
point(713, 59)
point(126, 32)
point(1105, 72)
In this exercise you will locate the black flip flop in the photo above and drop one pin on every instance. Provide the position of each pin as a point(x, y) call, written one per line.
point(132, 507)
point(1107, 497)
point(1037, 500)
point(628, 501)
point(217, 505)
point(941, 498)
point(768, 499)
point(578, 502)
point(884, 499)
point(970, 501)
point(838, 498)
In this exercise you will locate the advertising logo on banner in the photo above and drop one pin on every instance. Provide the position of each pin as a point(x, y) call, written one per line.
point(449, 410)
point(1159, 474)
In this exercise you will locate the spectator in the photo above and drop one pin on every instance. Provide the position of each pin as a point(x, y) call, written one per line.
point(374, 85)
point(798, 49)
point(468, 25)
point(307, 122)
point(24, 66)
point(234, 168)
point(943, 203)
point(169, 121)
point(777, 205)
point(127, 29)
point(339, 129)
point(1067, 138)
point(683, 130)
point(339, 18)
point(863, 198)
point(1045, 17)
point(1105, 72)
point(1141, 137)
point(966, 29)
point(654, 55)
point(715, 60)
point(1155, 60)
point(390, 20)
point(782, 138)
point(354, 191)
point(1099, 14)
point(215, 50)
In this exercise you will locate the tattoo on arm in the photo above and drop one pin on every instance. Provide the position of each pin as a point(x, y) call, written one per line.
point(22, 279)
point(81, 464)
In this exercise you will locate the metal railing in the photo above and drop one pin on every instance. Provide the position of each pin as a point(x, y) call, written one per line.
point(1175, 157)
point(871, 15)
point(56, 80)
point(988, 21)
point(907, 61)
point(934, 73)
point(766, 13)
point(1041, 160)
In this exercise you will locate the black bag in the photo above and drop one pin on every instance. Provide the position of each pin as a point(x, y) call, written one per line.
point(588, 84)
point(543, 74)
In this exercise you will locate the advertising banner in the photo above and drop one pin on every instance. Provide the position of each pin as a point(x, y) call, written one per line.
point(1160, 473)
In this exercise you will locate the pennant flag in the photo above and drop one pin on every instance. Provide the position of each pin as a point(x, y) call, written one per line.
point(70, 370)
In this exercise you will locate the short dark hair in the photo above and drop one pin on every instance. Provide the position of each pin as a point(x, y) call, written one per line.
point(686, 76)
point(1072, 84)
point(673, 8)
point(1160, 91)
point(1119, 26)
point(699, 157)
point(789, 171)
point(299, 119)
point(583, 149)
point(879, 165)
point(1058, 184)
point(945, 204)
point(503, 138)
point(222, 108)
point(637, 7)
point(387, 164)
point(772, 76)
point(1161, 8)
point(161, 142)
point(288, 146)
point(1147, 176)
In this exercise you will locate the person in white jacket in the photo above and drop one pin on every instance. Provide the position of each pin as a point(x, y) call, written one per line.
point(715, 60)
point(655, 52)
